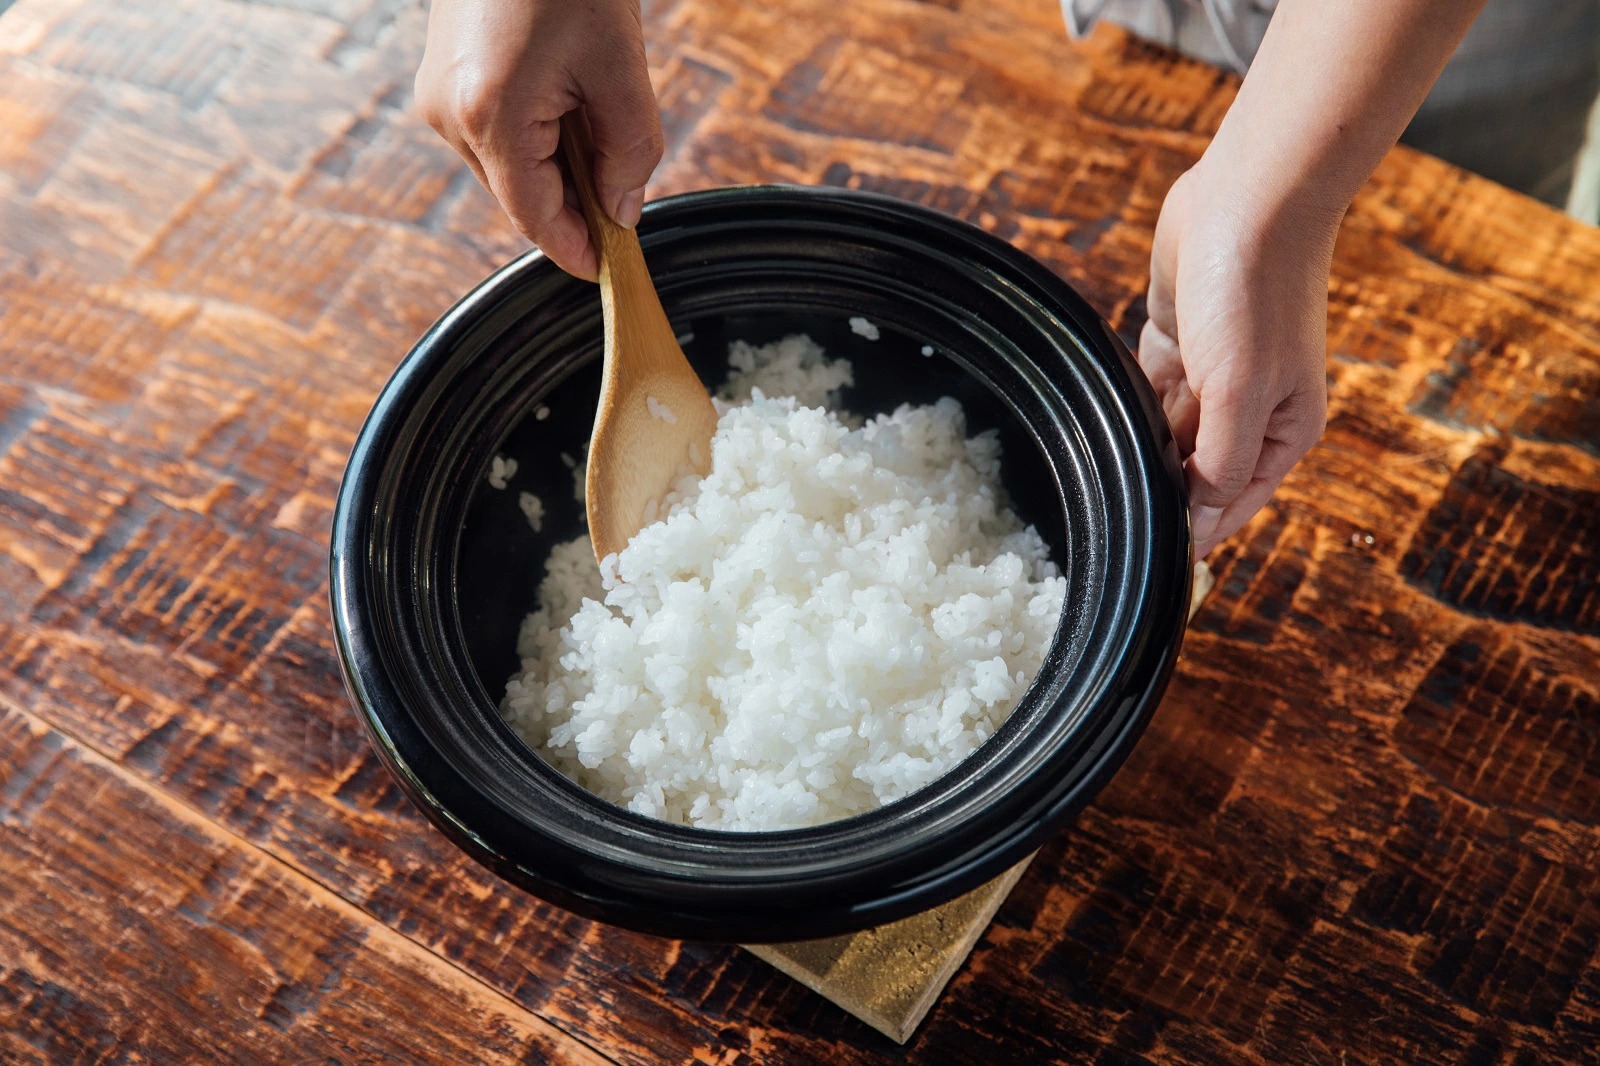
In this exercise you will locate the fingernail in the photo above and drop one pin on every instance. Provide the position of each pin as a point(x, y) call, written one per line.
point(1203, 522)
point(629, 207)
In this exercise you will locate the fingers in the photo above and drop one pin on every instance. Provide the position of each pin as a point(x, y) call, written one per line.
point(518, 169)
point(1233, 517)
point(1162, 364)
point(625, 122)
point(468, 156)
point(495, 81)
point(532, 190)
point(511, 154)
point(1240, 435)
point(1235, 346)
point(1293, 427)
point(1233, 426)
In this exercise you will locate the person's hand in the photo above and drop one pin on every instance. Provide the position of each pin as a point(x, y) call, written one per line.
point(495, 79)
point(1236, 343)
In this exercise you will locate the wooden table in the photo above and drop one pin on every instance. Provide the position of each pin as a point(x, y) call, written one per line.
point(1364, 827)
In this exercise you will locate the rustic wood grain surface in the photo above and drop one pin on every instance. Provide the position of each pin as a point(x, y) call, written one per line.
point(1364, 827)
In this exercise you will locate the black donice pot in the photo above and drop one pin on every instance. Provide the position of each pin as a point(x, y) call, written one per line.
point(433, 570)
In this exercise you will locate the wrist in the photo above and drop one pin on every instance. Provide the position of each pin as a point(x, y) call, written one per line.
point(1277, 206)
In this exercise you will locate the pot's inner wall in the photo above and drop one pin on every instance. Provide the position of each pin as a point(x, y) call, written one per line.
point(502, 558)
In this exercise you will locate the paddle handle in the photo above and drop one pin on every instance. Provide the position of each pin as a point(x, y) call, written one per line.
point(617, 246)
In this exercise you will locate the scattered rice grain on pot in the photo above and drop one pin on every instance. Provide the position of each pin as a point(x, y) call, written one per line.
point(501, 470)
point(864, 327)
point(836, 615)
point(533, 508)
point(580, 471)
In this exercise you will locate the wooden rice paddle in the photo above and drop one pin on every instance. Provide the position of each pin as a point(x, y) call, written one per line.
point(654, 420)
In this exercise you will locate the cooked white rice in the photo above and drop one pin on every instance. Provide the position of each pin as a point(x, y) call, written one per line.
point(794, 366)
point(501, 470)
point(834, 617)
point(660, 411)
point(864, 327)
point(533, 508)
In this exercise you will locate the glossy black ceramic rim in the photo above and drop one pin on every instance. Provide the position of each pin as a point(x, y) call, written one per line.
point(1071, 381)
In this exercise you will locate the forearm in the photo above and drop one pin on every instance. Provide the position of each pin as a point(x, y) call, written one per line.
point(1330, 91)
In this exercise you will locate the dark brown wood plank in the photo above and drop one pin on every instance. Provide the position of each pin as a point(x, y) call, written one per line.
point(132, 929)
point(1362, 824)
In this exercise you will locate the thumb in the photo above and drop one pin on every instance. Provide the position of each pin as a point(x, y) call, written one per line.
point(1233, 426)
point(625, 121)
